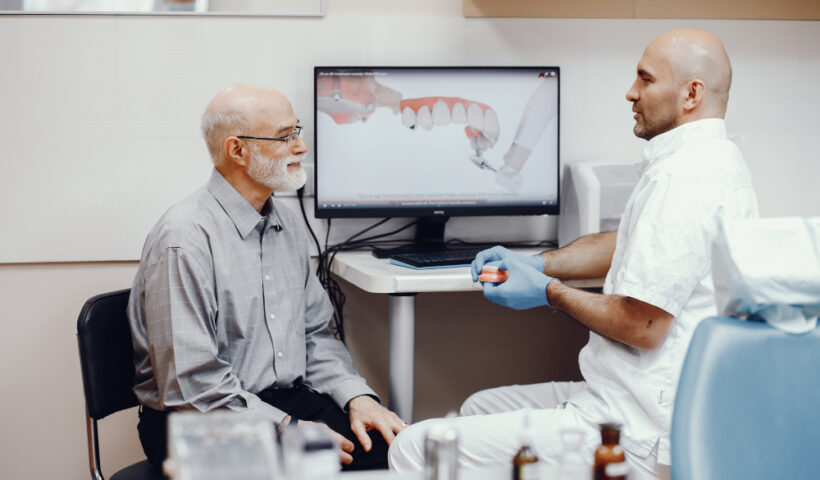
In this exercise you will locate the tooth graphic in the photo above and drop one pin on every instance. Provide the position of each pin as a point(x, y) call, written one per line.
point(424, 118)
point(491, 124)
point(441, 114)
point(459, 114)
point(475, 116)
point(408, 117)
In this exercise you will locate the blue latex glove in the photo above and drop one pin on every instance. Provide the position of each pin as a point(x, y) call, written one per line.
point(497, 253)
point(526, 287)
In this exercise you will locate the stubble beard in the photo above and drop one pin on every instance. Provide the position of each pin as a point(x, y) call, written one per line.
point(649, 128)
point(648, 131)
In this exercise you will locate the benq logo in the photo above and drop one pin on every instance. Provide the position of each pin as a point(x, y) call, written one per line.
point(438, 212)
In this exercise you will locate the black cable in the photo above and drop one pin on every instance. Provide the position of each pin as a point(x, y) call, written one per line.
point(371, 227)
point(334, 292)
point(327, 256)
point(327, 232)
point(300, 193)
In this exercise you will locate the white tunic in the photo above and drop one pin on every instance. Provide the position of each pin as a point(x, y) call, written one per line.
point(692, 175)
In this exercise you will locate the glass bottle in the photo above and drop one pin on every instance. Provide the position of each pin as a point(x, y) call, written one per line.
point(610, 460)
point(525, 462)
point(573, 465)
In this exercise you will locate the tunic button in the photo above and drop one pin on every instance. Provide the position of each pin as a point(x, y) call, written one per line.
point(272, 316)
point(280, 354)
point(267, 277)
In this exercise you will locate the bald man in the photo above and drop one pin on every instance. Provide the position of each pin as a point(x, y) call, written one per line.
point(225, 311)
point(658, 279)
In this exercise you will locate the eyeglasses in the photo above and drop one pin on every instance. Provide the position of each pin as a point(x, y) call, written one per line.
point(293, 137)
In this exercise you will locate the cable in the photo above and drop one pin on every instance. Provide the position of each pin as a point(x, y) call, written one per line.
point(334, 292)
point(300, 193)
point(327, 255)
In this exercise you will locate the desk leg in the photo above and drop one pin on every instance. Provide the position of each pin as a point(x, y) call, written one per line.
point(400, 376)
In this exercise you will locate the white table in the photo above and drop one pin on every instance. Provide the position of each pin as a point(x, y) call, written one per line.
point(377, 275)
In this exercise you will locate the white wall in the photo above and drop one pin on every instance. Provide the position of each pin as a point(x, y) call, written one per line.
point(104, 97)
point(107, 107)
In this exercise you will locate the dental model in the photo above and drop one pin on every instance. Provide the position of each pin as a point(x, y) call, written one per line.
point(492, 274)
point(481, 121)
point(541, 108)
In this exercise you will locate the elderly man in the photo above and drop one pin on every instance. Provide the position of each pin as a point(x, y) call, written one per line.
point(658, 278)
point(224, 310)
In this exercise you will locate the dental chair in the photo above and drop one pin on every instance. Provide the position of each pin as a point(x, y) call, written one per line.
point(748, 404)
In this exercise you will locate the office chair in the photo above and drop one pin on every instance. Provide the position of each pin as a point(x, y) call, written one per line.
point(107, 363)
point(747, 403)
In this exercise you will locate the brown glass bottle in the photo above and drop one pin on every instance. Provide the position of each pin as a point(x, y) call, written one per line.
point(524, 463)
point(610, 452)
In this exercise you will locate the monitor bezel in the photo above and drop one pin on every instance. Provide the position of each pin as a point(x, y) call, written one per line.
point(437, 211)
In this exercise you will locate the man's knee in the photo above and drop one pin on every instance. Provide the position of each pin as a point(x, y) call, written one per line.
point(476, 404)
point(406, 453)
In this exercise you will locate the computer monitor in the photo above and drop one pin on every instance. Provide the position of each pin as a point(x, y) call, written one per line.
point(436, 142)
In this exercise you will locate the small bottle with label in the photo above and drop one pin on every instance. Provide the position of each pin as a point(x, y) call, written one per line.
point(610, 460)
point(525, 462)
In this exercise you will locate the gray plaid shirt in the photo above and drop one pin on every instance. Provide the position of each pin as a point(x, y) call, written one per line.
point(225, 304)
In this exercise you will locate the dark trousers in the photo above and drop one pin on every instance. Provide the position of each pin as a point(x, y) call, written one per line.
point(299, 402)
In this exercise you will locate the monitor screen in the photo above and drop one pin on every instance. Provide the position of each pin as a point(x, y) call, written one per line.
point(436, 141)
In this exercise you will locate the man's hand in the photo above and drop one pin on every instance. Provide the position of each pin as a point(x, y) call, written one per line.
point(366, 414)
point(525, 288)
point(346, 446)
point(497, 253)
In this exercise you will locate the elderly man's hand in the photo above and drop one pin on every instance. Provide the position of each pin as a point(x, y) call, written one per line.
point(367, 414)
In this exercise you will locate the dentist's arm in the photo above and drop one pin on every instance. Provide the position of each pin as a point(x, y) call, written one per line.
point(587, 257)
point(625, 319)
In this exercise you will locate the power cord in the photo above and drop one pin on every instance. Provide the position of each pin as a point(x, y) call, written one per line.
point(327, 255)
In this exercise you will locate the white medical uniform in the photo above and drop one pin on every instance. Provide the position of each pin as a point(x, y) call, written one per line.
point(691, 176)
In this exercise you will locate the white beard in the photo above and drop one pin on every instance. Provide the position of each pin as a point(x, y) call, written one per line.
point(274, 173)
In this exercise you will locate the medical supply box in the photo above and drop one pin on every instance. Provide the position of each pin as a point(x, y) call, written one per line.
point(593, 197)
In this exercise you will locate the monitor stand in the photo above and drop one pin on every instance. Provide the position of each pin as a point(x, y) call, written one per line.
point(429, 238)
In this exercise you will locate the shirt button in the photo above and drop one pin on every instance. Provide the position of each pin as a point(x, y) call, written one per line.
point(272, 316)
point(267, 277)
point(280, 354)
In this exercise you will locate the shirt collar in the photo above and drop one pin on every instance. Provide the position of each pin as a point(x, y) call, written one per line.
point(667, 142)
point(239, 210)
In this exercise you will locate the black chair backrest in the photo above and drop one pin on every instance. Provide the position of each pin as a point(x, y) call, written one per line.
point(106, 354)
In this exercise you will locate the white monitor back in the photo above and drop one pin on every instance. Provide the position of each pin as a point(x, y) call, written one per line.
point(593, 197)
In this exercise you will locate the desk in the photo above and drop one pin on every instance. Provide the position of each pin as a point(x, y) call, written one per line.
point(377, 275)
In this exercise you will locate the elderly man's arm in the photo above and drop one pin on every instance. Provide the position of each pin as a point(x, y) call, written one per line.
point(625, 319)
point(180, 327)
point(329, 365)
point(330, 370)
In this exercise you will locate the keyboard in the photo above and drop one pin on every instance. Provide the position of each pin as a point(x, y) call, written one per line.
point(435, 259)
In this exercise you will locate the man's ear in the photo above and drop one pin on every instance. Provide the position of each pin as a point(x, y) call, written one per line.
point(695, 89)
point(236, 151)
